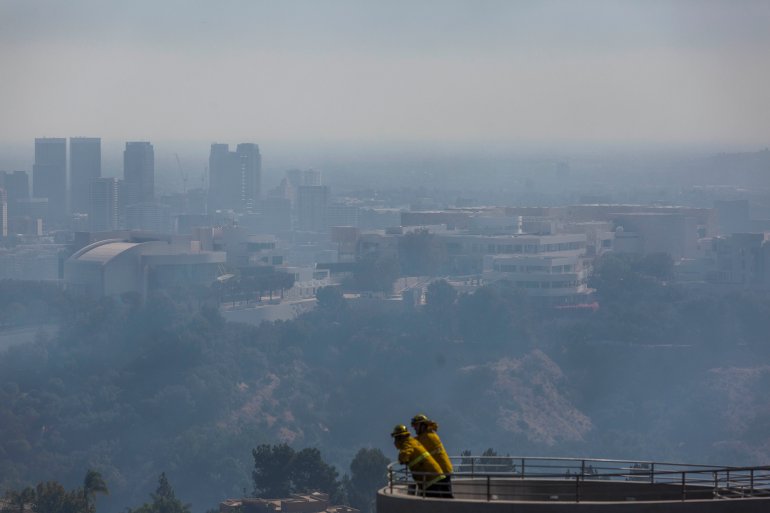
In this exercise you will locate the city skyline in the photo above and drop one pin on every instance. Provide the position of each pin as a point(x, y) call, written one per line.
point(231, 233)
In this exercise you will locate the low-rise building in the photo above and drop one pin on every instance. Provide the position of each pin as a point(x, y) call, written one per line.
point(315, 502)
point(556, 279)
point(465, 253)
point(116, 266)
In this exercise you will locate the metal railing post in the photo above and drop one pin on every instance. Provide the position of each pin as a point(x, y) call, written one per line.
point(751, 482)
point(716, 484)
point(577, 488)
point(489, 494)
point(583, 468)
point(522, 468)
point(652, 472)
point(684, 487)
point(473, 467)
point(390, 479)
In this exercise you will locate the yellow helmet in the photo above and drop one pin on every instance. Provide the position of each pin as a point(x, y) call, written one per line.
point(419, 419)
point(399, 430)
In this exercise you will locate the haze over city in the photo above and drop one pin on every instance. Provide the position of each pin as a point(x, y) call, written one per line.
point(344, 256)
point(689, 72)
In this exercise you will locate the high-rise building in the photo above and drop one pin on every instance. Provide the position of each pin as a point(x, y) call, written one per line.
point(235, 178)
point(300, 177)
point(16, 185)
point(103, 213)
point(139, 172)
point(150, 216)
point(339, 214)
point(3, 214)
point(85, 166)
point(49, 176)
point(312, 202)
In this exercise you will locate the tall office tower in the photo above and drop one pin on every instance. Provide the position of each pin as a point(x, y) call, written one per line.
point(49, 177)
point(312, 202)
point(16, 185)
point(3, 214)
point(311, 177)
point(85, 166)
point(223, 179)
point(250, 163)
point(103, 212)
point(139, 173)
point(235, 178)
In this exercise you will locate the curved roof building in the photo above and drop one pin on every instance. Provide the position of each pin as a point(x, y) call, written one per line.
point(114, 267)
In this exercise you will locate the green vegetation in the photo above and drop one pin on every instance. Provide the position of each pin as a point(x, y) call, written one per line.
point(51, 497)
point(164, 500)
point(134, 389)
point(367, 474)
point(280, 471)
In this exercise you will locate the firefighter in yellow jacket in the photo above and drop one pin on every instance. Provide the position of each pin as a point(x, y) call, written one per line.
point(426, 472)
point(428, 437)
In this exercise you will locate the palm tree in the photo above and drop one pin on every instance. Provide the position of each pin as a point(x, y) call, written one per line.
point(93, 483)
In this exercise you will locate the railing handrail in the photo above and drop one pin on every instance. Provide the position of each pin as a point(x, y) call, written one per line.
point(600, 460)
point(652, 464)
point(742, 480)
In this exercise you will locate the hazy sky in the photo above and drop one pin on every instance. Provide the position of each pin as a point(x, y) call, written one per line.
point(615, 71)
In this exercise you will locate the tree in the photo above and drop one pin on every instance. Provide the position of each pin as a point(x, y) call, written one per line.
point(93, 484)
point(657, 265)
point(164, 500)
point(51, 497)
point(16, 502)
point(282, 281)
point(440, 299)
point(484, 316)
point(419, 254)
point(375, 273)
point(309, 472)
point(272, 470)
point(368, 473)
point(280, 471)
point(330, 299)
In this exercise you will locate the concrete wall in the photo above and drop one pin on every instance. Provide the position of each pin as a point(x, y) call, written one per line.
point(258, 314)
point(595, 497)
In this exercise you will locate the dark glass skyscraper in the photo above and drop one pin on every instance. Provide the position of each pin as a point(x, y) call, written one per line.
point(85, 167)
point(49, 176)
point(235, 177)
point(139, 172)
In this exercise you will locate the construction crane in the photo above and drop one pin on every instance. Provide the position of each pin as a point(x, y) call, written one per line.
point(182, 173)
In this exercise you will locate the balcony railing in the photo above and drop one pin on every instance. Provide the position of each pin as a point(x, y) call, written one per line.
point(493, 478)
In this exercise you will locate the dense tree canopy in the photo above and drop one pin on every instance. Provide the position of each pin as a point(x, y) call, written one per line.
point(164, 500)
point(133, 388)
point(280, 471)
point(367, 475)
point(52, 497)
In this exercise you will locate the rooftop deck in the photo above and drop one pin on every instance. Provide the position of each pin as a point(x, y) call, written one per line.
point(551, 485)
